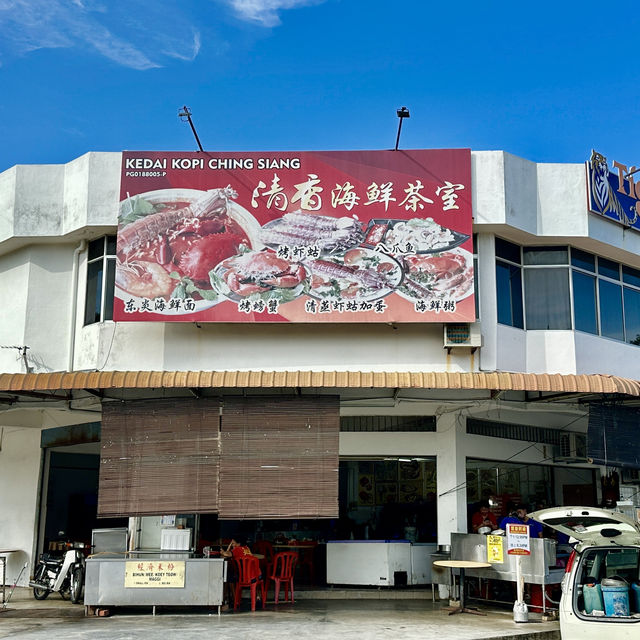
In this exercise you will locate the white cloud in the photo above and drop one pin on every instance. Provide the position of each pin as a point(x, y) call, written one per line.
point(195, 49)
point(136, 34)
point(265, 12)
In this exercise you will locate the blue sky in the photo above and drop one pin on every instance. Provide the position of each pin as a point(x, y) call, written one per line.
point(547, 81)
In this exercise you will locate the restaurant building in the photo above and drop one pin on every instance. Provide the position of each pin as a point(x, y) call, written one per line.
point(314, 346)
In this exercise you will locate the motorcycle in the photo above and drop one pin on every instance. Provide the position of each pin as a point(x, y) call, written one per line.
point(64, 575)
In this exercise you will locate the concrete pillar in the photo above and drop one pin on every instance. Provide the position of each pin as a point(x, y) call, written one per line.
point(452, 476)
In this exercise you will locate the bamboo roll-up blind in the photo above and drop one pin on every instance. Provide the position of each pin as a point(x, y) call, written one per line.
point(279, 457)
point(159, 457)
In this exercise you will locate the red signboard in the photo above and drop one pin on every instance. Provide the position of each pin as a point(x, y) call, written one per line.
point(345, 236)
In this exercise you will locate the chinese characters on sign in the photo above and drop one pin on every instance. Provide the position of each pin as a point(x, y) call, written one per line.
point(154, 573)
point(367, 236)
point(518, 540)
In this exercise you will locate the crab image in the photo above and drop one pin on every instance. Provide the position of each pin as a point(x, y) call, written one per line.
point(260, 271)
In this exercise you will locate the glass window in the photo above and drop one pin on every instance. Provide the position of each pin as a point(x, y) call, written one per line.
point(111, 245)
point(94, 293)
point(101, 270)
point(547, 300)
point(611, 310)
point(96, 248)
point(509, 294)
point(631, 276)
point(546, 255)
point(584, 302)
point(609, 268)
point(632, 315)
point(583, 260)
point(507, 251)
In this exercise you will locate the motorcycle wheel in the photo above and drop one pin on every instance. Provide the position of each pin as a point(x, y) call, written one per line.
point(40, 594)
point(77, 579)
point(65, 591)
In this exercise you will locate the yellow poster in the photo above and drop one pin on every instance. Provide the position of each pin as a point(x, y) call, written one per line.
point(495, 554)
point(154, 573)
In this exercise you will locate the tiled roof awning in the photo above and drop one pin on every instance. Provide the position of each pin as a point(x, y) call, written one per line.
point(499, 381)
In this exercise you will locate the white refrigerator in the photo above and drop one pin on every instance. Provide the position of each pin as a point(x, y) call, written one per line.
point(369, 562)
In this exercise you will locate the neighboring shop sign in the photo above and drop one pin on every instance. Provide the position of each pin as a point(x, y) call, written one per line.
point(154, 573)
point(518, 540)
point(495, 549)
point(613, 193)
point(347, 236)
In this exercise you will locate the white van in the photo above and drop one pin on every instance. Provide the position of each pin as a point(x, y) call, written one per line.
point(601, 586)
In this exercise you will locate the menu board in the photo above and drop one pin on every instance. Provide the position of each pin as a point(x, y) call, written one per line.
point(345, 236)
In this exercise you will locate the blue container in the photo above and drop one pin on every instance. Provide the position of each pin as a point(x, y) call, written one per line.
point(592, 598)
point(636, 592)
point(616, 597)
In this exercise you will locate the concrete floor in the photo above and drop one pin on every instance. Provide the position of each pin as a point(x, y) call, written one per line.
point(361, 619)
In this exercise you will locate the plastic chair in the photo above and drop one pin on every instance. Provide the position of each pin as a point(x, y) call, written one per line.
point(284, 566)
point(307, 559)
point(249, 576)
point(264, 548)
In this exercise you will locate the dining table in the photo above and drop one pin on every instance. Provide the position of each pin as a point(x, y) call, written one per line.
point(461, 565)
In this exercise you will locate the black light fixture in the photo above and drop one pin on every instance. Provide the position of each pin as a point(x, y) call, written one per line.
point(185, 116)
point(402, 113)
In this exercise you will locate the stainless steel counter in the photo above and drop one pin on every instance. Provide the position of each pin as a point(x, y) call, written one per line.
point(105, 583)
point(538, 568)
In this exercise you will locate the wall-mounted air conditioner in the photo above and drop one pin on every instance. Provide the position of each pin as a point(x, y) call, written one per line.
point(462, 334)
point(571, 448)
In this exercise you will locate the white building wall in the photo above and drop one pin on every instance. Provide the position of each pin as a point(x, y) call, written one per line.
point(20, 456)
point(517, 199)
point(58, 206)
point(14, 284)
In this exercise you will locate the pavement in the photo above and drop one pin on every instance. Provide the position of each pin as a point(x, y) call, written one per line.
point(409, 618)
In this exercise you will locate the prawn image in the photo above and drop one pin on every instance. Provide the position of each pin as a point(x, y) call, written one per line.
point(178, 235)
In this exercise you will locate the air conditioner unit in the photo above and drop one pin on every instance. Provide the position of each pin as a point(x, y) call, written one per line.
point(571, 448)
point(462, 334)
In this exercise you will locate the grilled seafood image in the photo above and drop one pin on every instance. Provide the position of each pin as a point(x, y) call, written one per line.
point(144, 279)
point(259, 272)
point(300, 229)
point(178, 234)
point(359, 273)
point(448, 274)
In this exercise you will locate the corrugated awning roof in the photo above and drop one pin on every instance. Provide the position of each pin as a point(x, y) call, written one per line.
point(501, 381)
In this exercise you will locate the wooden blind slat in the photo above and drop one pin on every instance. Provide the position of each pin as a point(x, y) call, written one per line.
point(159, 457)
point(279, 457)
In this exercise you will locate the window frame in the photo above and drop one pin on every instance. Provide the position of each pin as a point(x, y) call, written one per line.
point(596, 274)
point(105, 258)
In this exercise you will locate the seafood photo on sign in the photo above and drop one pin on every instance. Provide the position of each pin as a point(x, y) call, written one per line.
point(423, 235)
point(298, 229)
point(259, 275)
point(361, 274)
point(169, 240)
point(446, 275)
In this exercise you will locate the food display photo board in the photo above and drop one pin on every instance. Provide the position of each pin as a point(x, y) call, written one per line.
point(343, 236)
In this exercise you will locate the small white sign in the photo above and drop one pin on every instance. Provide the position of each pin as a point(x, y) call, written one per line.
point(518, 540)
